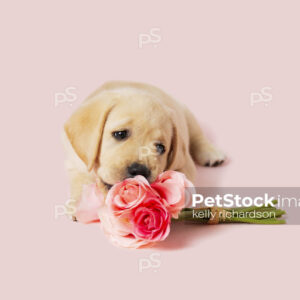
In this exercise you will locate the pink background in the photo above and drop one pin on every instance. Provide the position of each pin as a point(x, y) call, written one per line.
point(212, 56)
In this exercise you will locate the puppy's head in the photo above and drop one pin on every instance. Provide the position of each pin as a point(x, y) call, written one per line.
point(121, 136)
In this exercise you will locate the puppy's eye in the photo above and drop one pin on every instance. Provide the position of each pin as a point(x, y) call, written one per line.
point(160, 148)
point(120, 135)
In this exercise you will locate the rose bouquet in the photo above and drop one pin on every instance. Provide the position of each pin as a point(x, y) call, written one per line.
point(137, 214)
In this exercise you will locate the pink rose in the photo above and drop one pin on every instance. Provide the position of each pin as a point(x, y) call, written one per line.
point(134, 215)
point(118, 230)
point(143, 226)
point(171, 187)
point(151, 220)
point(89, 204)
point(128, 193)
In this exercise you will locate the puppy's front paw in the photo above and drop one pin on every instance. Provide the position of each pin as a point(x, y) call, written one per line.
point(211, 156)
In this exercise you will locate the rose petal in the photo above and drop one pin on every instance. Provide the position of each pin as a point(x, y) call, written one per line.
point(89, 204)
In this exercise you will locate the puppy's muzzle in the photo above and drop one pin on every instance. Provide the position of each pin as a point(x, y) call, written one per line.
point(138, 169)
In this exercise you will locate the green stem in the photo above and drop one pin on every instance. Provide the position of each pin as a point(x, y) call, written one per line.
point(256, 221)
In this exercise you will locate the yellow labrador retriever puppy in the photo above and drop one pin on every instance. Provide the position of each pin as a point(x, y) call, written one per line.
point(124, 129)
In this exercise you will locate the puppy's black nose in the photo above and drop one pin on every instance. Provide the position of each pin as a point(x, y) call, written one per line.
point(138, 169)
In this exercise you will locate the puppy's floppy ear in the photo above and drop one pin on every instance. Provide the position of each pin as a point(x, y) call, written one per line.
point(84, 128)
point(177, 152)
